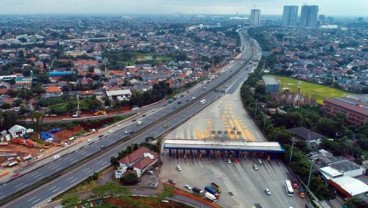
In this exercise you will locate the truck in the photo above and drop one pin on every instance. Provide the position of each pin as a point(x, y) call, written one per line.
point(210, 196)
point(139, 123)
point(216, 187)
point(197, 190)
point(212, 191)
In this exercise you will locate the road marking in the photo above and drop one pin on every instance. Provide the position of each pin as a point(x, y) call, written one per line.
point(86, 170)
point(239, 128)
point(205, 134)
point(55, 190)
point(52, 188)
point(31, 199)
point(37, 200)
point(198, 134)
point(75, 179)
point(21, 187)
point(70, 178)
point(18, 185)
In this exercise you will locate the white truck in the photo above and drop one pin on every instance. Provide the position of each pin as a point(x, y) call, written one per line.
point(139, 123)
point(210, 196)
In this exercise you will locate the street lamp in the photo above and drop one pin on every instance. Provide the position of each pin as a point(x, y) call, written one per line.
point(292, 148)
point(310, 172)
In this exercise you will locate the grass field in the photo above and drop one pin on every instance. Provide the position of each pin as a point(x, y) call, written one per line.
point(317, 91)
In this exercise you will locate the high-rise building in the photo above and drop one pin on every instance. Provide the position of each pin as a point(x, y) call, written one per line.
point(255, 17)
point(308, 16)
point(290, 16)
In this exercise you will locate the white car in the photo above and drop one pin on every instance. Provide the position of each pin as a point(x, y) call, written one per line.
point(268, 192)
point(229, 161)
point(255, 167)
point(126, 132)
point(187, 187)
point(260, 161)
point(56, 157)
point(179, 168)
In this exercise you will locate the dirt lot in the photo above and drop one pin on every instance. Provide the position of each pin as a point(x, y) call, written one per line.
point(66, 134)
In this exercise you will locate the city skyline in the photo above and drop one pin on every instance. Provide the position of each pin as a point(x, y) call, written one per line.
point(121, 7)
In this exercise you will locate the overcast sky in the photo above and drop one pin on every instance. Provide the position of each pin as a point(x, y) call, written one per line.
point(328, 7)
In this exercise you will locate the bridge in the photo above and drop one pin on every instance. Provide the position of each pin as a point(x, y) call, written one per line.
point(272, 148)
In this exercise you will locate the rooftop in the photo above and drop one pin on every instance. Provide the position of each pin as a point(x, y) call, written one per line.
point(223, 145)
point(345, 166)
point(306, 134)
point(270, 80)
point(350, 104)
point(350, 185)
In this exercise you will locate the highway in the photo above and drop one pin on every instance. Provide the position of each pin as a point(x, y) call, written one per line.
point(59, 180)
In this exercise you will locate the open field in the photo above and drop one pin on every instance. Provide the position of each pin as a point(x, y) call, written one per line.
point(317, 91)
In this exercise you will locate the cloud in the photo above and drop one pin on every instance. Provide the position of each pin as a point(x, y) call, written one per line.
point(329, 7)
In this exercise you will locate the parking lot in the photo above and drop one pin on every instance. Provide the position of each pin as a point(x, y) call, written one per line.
point(241, 185)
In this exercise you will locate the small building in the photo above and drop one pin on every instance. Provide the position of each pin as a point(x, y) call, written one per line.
point(60, 73)
point(272, 86)
point(348, 186)
point(119, 94)
point(17, 131)
point(53, 91)
point(141, 160)
point(308, 135)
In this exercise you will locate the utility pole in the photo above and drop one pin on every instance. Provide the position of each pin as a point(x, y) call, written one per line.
point(255, 110)
point(310, 172)
point(292, 148)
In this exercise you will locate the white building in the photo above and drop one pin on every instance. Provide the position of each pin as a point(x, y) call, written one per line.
point(255, 17)
point(119, 94)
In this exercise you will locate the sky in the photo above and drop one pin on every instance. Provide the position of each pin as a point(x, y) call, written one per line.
point(126, 7)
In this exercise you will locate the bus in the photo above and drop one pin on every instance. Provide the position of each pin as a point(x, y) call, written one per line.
point(289, 188)
point(203, 101)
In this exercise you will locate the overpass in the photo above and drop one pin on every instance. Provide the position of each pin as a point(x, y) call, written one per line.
point(272, 148)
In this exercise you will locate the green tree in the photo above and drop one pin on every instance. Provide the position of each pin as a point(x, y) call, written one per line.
point(129, 179)
point(70, 201)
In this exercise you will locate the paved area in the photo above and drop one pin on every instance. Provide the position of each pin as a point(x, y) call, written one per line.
point(227, 120)
point(224, 119)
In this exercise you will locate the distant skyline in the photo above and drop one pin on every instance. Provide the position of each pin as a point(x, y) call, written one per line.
point(126, 7)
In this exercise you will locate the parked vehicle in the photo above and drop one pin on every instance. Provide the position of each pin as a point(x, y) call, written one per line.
point(255, 167)
point(268, 192)
point(187, 187)
point(139, 123)
point(197, 190)
point(216, 187)
point(210, 196)
point(212, 191)
point(179, 168)
point(171, 181)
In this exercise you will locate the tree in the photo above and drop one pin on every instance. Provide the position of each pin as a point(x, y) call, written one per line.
point(38, 117)
point(111, 189)
point(129, 179)
point(70, 201)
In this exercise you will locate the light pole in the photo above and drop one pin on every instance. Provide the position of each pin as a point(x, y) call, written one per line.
point(292, 148)
point(255, 110)
point(310, 172)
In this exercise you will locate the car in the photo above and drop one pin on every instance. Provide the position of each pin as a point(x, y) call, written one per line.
point(131, 132)
point(171, 181)
point(178, 167)
point(179, 102)
point(187, 187)
point(295, 185)
point(134, 120)
point(229, 161)
point(144, 115)
point(102, 147)
point(56, 157)
point(268, 192)
point(186, 100)
point(126, 132)
point(260, 161)
point(101, 136)
point(193, 98)
point(255, 167)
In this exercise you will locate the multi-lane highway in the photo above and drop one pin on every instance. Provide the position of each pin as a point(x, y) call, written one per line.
point(93, 157)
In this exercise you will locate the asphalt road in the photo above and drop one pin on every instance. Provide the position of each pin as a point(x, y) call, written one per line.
point(64, 182)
